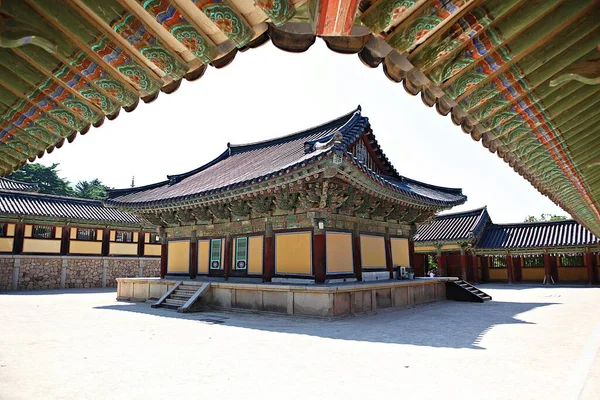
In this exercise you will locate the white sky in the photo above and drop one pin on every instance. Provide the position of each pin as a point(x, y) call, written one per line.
point(267, 93)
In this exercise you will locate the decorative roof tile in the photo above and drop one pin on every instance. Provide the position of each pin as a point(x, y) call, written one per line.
point(466, 225)
point(245, 164)
point(24, 204)
point(9, 184)
point(528, 235)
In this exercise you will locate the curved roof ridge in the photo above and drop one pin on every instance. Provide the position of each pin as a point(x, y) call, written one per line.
point(33, 186)
point(51, 196)
point(430, 186)
point(459, 213)
point(238, 148)
point(533, 223)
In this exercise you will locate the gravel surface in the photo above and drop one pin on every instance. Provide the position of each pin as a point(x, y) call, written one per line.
point(531, 342)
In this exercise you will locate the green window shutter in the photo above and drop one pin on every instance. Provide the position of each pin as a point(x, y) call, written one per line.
point(215, 253)
point(241, 253)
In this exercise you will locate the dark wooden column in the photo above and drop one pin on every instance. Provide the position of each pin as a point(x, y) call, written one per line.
point(269, 255)
point(485, 268)
point(105, 241)
point(163, 254)
point(19, 237)
point(411, 254)
point(389, 263)
point(140, 243)
point(474, 262)
point(227, 255)
point(356, 257)
point(441, 260)
point(547, 268)
point(518, 264)
point(589, 264)
point(319, 256)
point(509, 267)
point(193, 256)
point(65, 240)
point(463, 265)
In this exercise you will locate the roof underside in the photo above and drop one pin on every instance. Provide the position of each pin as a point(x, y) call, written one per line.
point(519, 75)
point(243, 165)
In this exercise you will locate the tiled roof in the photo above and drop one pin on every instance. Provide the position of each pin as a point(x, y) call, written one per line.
point(8, 184)
point(13, 203)
point(537, 235)
point(454, 227)
point(241, 165)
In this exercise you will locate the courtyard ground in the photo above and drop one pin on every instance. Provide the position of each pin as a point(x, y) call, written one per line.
point(531, 342)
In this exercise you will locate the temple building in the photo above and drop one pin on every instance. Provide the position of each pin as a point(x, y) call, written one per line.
point(318, 205)
point(470, 246)
point(49, 241)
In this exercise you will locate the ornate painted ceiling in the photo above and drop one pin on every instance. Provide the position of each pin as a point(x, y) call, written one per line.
point(521, 76)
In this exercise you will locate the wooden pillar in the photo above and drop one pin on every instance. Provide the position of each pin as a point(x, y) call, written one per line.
point(319, 256)
point(463, 264)
point(269, 254)
point(519, 269)
point(105, 242)
point(65, 240)
point(140, 244)
point(485, 268)
point(193, 256)
point(474, 265)
point(411, 254)
point(441, 260)
point(547, 268)
point(163, 254)
point(509, 267)
point(356, 255)
point(589, 264)
point(388, 256)
point(19, 237)
point(228, 256)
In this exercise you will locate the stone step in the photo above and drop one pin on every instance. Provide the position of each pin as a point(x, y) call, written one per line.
point(176, 296)
point(169, 306)
point(188, 288)
point(174, 302)
point(184, 292)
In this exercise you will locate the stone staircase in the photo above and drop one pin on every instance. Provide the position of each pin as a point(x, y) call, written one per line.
point(463, 291)
point(183, 297)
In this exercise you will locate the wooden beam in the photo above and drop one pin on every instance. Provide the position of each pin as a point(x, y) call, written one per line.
point(48, 75)
point(526, 51)
point(105, 28)
point(356, 256)
point(109, 69)
point(319, 256)
point(167, 40)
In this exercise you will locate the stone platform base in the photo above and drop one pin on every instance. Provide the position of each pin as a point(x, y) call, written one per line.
point(314, 300)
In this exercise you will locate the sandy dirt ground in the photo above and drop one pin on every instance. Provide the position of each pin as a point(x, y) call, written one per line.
point(530, 342)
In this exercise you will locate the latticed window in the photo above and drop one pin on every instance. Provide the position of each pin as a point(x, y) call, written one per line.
point(124, 236)
point(42, 232)
point(2, 230)
point(86, 234)
point(215, 253)
point(241, 253)
point(154, 238)
point(532, 262)
point(571, 261)
point(499, 262)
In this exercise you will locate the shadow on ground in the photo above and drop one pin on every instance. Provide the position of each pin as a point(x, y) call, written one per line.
point(442, 324)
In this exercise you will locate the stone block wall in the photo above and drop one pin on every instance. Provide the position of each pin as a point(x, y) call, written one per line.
point(6, 273)
point(151, 269)
point(121, 268)
point(39, 273)
point(84, 273)
point(54, 272)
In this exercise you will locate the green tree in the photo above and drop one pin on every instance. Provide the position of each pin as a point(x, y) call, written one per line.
point(545, 217)
point(93, 189)
point(46, 177)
